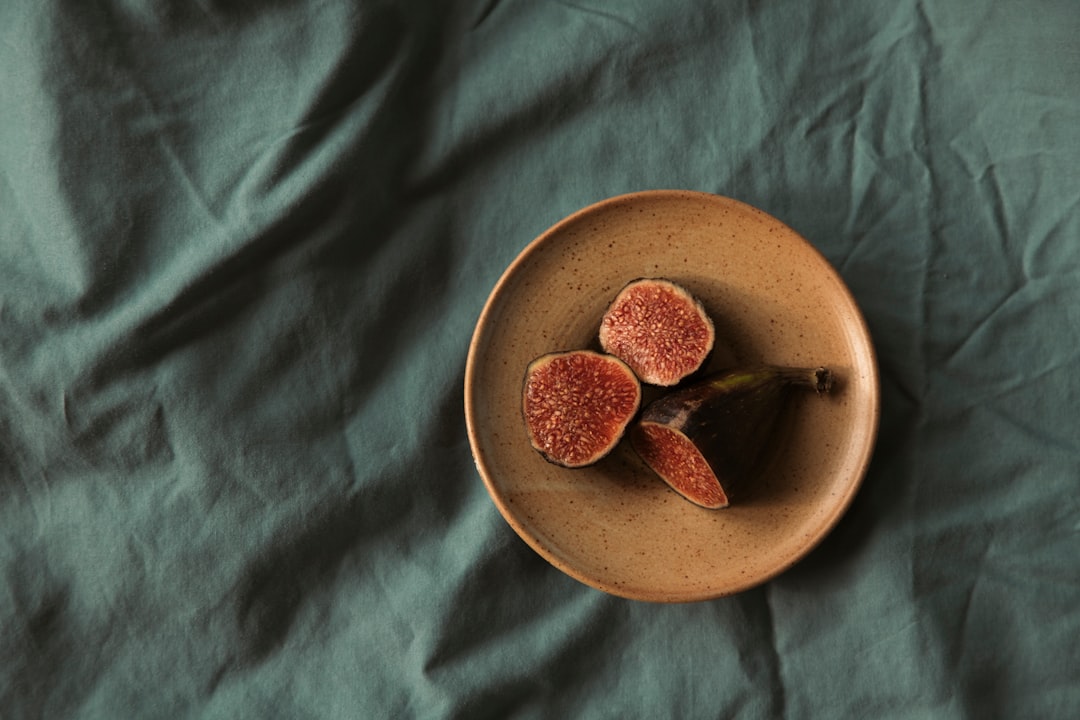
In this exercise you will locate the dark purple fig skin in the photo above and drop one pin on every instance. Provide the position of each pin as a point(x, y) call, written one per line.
point(730, 417)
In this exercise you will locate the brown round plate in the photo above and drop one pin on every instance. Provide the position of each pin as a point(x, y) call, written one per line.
point(774, 299)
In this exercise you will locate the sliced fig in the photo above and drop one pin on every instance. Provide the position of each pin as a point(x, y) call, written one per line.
point(659, 329)
point(706, 440)
point(577, 405)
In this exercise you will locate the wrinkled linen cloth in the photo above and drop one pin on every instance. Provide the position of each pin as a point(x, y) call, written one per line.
point(243, 246)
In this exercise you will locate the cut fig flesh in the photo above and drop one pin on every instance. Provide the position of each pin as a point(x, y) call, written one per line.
point(674, 457)
point(578, 404)
point(659, 329)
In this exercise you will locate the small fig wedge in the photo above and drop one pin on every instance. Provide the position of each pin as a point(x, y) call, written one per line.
point(706, 440)
point(578, 404)
point(659, 329)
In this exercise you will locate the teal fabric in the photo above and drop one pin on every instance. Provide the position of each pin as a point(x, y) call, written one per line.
point(243, 246)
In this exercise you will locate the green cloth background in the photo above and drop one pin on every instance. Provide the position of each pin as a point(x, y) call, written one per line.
point(243, 246)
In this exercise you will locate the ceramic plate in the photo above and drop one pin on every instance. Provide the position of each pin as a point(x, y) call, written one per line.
point(773, 298)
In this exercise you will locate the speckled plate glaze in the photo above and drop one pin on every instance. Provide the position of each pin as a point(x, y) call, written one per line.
point(774, 298)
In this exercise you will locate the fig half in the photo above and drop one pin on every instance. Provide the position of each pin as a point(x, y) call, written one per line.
point(659, 329)
point(706, 440)
point(577, 405)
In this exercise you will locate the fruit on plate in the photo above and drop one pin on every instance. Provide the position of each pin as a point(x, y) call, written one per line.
point(706, 440)
point(659, 329)
point(577, 405)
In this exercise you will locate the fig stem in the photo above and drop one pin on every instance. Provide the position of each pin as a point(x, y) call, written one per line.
point(819, 379)
point(823, 380)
